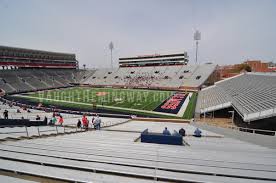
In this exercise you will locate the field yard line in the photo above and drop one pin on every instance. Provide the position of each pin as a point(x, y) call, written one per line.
point(110, 107)
point(150, 104)
point(160, 103)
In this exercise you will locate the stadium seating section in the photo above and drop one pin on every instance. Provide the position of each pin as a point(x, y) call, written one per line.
point(29, 80)
point(172, 77)
point(167, 77)
point(253, 95)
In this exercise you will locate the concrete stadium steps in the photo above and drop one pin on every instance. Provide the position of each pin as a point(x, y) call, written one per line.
point(227, 144)
point(65, 174)
point(9, 179)
point(6, 87)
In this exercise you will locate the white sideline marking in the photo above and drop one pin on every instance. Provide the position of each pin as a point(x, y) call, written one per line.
point(184, 105)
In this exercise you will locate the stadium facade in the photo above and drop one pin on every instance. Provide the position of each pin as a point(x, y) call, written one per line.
point(12, 57)
point(155, 60)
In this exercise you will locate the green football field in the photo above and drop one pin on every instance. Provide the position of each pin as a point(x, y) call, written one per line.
point(135, 101)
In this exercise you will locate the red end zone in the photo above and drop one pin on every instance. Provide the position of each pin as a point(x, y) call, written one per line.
point(173, 104)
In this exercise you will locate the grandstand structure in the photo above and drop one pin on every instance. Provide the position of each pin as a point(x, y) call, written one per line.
point(167, 71)
point(12, 57)
point(23, 80)
point(251, 95)
point(25, 70)
point(174, 77)
point(34, 70)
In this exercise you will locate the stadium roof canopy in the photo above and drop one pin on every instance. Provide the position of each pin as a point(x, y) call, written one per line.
point(252, 95)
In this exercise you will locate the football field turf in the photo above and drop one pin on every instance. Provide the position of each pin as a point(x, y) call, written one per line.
point(137, 101)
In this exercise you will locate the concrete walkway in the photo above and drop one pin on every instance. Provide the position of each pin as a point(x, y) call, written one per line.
point(262, 140)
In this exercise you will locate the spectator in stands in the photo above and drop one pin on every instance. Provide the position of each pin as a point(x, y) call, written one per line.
point(197, 132)
point(60, 120)
point(6, 114)
point(85, 122)
point(37, 117)
point(92, 120)
point(79, 123)
point(28, 111)
point(45, 120)
point(166, 131)
point(182, 132)
point(54, 120)
point(18, 111)
point(97, 123)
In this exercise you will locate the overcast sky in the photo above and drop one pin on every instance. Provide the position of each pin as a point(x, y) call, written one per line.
point(232, 31)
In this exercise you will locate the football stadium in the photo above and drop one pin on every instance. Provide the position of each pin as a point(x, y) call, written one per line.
point(134, 103)
point(149, 118)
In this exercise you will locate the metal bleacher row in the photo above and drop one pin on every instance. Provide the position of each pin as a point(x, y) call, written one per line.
point(96, 156)
point(252, 94)
point(155, 76)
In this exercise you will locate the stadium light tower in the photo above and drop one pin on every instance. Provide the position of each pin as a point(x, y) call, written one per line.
point(197, 37)
point(111, 47)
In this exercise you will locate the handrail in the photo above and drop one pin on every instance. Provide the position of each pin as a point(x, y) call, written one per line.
point(39, 130)
point(244, 129)
point(251, 129)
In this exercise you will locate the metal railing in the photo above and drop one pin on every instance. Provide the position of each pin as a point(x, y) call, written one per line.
point(243, 129)
point(103, 125)
point(40, 131)
point(252, 130)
